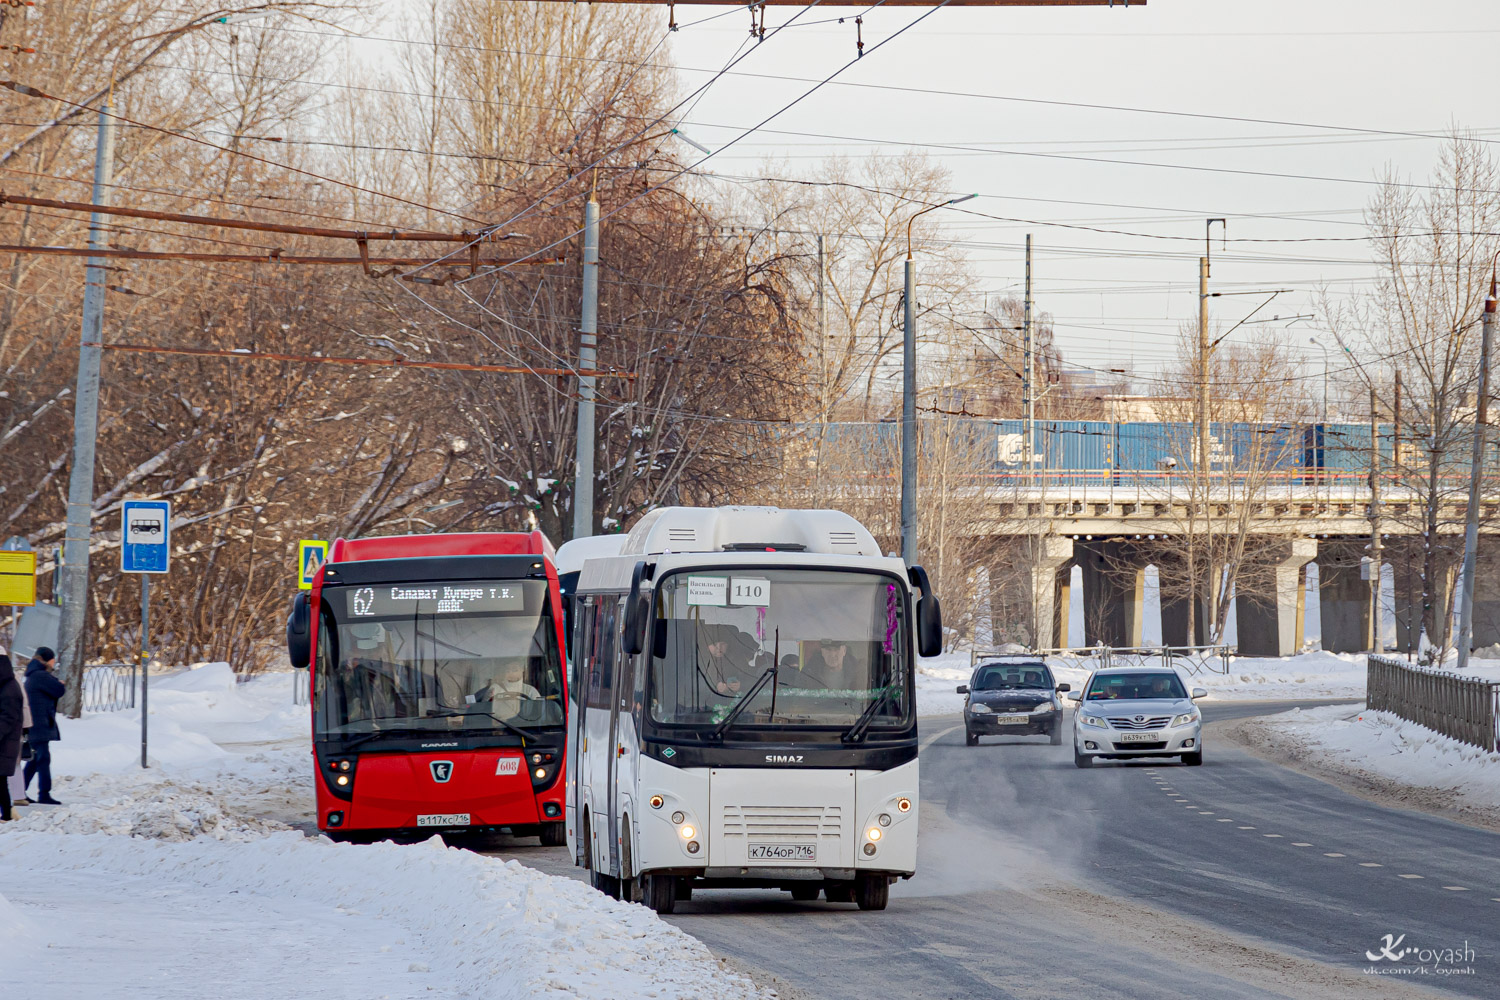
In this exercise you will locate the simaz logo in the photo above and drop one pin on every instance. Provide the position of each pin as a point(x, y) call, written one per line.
point(783, 758)
point(442, 770)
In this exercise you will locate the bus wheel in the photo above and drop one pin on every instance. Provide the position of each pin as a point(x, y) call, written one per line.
point(684, 889)
point(554, 834)
point(872, 891)
point(659, 892)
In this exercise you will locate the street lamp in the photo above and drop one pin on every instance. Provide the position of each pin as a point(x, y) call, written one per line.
point(1321, 347)
point(909, 398)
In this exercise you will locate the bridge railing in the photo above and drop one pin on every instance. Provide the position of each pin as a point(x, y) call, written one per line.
point(1466, 709)
point(1194, 660)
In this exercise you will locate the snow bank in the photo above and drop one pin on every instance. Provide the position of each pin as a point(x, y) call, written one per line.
point(1398, 757)
point(468, 925)
point(1308, 675)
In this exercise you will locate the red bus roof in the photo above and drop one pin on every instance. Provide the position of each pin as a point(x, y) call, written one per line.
point(477, 543)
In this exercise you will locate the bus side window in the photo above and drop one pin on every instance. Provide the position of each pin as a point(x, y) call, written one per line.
point(604, 656)
point(579, 658)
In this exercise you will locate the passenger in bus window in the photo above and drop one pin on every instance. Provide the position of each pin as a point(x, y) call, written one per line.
point(723, 654)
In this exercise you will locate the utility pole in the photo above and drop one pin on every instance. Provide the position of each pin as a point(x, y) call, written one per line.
point(1028, 377)
point(1476, 478)
point(1204, 454)
point(909, 419)
point(822, 374)
point(588, 345)
point(1372, 637)
point(85, 432)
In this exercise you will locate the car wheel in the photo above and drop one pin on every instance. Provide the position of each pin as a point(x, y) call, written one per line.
point(1056, 734)
point(1193, 759)
point(971, 739)
point(872, 892)
point(1082, 760)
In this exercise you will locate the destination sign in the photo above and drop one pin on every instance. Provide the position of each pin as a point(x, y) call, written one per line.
point(464, 598)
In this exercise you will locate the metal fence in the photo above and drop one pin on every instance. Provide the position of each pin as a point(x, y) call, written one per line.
point(109, 687)
point(1193, 659)
point(1463, 708)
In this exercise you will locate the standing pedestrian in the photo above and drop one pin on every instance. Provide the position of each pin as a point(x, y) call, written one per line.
point(42, 690)
point(10, 730)
point(17, 785)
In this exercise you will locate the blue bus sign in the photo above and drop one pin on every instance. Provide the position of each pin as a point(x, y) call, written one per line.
point(146, 536)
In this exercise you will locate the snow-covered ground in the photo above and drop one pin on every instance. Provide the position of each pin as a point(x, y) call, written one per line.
point(1308, 675)
point(189, 880)
point(1386, 755)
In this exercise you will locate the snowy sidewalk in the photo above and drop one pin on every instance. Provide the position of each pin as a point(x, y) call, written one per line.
point(187, 880)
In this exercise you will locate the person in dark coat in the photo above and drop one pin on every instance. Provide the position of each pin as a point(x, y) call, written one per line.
point(43, 691)
point(10, 729)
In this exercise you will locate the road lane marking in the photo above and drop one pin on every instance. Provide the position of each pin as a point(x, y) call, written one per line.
point(1226, 821)
point(1456, 888)
point(1205, 812)
point(929, 741)
point(1298, 843)
point(1270, 835)
point(1244, 828)
point(1408, 876)
point(1371, 864)
point(1333, 854)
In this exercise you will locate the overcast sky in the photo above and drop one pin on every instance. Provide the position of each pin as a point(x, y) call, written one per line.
point(1312, 70)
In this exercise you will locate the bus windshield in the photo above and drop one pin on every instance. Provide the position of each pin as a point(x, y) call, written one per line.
point(433, 656)
point(829, 644)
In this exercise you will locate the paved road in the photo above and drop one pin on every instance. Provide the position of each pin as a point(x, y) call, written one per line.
point(1238, 845)
point(1238, 879)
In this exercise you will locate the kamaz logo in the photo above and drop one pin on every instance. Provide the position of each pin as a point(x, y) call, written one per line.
point(783, 758)
point(442, 770)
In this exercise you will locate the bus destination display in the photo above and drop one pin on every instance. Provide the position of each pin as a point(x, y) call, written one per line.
point(467, 598)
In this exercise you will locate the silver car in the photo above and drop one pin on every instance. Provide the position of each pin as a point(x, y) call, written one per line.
point(1125, 712)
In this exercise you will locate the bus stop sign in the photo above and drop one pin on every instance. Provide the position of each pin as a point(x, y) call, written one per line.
point(18, 578)
point(311, 555)
point(145, 541)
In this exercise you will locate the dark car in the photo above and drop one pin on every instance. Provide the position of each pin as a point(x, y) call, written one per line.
point(1013, 698)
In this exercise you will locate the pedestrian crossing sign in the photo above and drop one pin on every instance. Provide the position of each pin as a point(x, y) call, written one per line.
point(311, 555)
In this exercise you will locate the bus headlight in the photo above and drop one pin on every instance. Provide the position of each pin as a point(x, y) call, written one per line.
point(903, 805)
point(657, 801)
point(884, 819)
point(874, 833)
point(692, 847)
point(687, 831)
point(869, 850)
point(679, 817)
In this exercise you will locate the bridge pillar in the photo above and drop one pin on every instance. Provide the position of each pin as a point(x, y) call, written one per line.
point(1174, 621)
point(1034, 577)
point(1487, 593)
point(1114, 591)
point(1344, 595)
point(1270, 609)
point(1405, 556)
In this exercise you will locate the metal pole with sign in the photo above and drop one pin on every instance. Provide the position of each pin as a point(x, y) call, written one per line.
point(145, 548)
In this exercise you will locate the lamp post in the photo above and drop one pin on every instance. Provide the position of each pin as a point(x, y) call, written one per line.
point(909, 398)
point(1320, 346)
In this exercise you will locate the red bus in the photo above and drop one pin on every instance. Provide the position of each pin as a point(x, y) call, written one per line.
point(438, 687)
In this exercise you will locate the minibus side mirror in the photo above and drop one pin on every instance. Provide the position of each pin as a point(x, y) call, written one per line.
point(299, 632)
point(929, 614)
point(637, 615)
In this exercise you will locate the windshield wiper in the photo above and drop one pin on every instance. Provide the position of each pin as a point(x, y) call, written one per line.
point(739, 706)
point(459, 715)
point(856, 732)
point(396, 731)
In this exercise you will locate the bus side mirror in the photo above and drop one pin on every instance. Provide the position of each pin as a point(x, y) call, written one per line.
point(299, 633)
point(929, 614)
point(637, 615)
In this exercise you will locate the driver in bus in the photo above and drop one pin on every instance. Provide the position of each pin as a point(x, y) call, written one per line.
point(511, 683)
point(719, 656)
point(836, 668)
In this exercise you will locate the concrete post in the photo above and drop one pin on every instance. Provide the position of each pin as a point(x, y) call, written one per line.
point(1344, 595)
point(1270, 614)
point(1114, 589)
